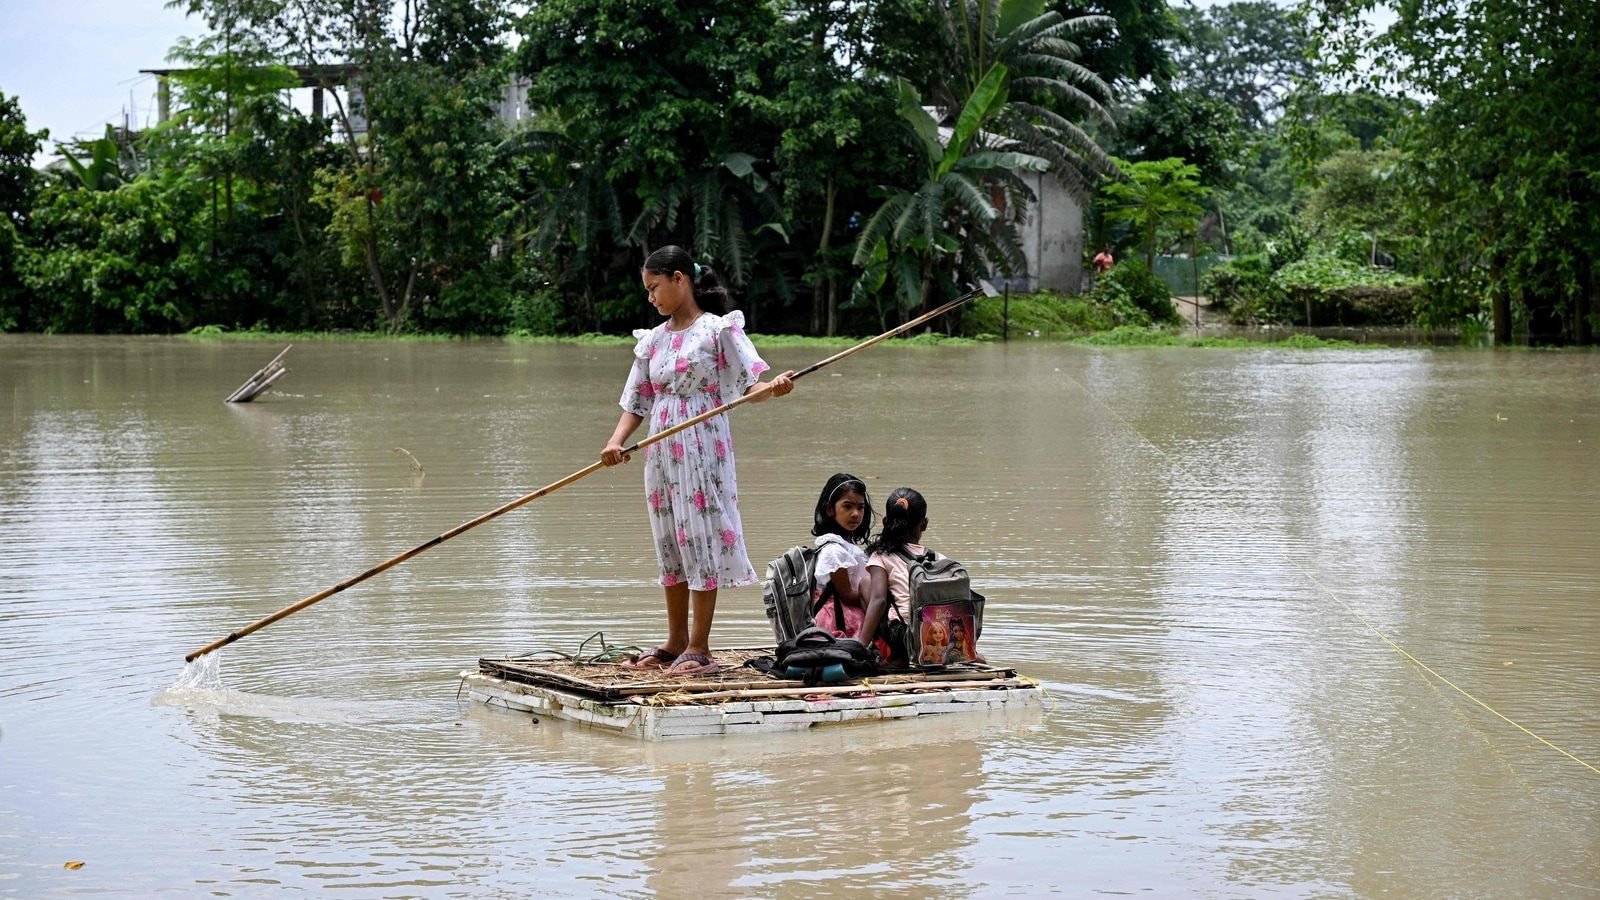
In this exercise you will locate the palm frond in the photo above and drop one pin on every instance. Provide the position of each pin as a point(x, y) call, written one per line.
point(735, 242)
point(969, 197)
point(879, 226)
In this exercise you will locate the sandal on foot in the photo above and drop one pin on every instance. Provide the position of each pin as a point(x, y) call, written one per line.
point(693, 664)
point(659, 658)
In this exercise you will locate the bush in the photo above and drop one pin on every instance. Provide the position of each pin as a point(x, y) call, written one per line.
point(1133, 295)
point(1326, 287)
point(1044, 312)
point(1332, 289)
point(1243, 287)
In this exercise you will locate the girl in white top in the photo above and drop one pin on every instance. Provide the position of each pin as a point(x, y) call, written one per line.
point(841, 522)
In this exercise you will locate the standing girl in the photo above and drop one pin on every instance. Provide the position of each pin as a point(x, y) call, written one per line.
point(841, 522)
point(683, 367)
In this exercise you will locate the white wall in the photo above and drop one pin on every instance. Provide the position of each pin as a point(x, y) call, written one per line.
point(1052, 238)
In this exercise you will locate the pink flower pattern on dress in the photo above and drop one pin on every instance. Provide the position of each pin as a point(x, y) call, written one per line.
point(692, 492)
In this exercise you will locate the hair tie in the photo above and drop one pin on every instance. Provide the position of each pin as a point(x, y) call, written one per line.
point(696, 271)
point(904, 503)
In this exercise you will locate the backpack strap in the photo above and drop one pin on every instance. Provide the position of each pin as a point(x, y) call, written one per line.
point(927, 556)
point(822, 599)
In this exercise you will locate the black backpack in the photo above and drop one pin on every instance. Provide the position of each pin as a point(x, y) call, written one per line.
point(811, 653)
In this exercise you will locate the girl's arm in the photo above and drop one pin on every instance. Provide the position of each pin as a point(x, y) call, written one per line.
point(612, 454)
point(877, 591)
point(780, 385)
point(841, 586)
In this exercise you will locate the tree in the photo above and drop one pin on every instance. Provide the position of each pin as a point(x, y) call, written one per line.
point(1246, 54)
point(1139, 50)
point(1176, 122)
point(18, 187)
point(942, 222)
point(1357, 193)
point(1155, 195)
point(1501, 161)
point(658, 121)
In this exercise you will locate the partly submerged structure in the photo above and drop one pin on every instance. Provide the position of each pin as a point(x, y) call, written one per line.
point(737, 699)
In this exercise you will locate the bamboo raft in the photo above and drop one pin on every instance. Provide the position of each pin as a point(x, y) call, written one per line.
point(735, 700)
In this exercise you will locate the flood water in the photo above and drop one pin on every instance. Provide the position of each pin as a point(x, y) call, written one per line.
point(1222, 724)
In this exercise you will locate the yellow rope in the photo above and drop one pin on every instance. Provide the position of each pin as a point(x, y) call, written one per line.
point(1320, 586)
point(1043, 691)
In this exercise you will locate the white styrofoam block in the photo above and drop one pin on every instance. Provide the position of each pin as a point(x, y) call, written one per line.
point(779, 706)
point(767, 728)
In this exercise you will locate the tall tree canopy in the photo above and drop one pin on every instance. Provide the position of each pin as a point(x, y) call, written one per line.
point(1504, 159)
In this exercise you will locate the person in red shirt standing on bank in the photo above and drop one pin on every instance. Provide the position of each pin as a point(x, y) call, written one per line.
point(1103, 261)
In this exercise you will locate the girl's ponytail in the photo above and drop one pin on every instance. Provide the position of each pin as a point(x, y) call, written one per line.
point(709, 292)
point(902, 513)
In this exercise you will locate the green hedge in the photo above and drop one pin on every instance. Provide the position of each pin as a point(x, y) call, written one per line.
point(1316, 290)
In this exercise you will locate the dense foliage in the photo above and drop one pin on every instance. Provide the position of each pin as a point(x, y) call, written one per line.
point(762, 136)
point(841, 162)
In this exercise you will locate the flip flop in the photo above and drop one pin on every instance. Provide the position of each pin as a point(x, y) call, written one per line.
point(659, 658)
point(698, 664)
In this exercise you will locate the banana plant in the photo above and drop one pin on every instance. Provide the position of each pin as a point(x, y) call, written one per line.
point(104, 171)
point(1040, 47)
point(946, 221)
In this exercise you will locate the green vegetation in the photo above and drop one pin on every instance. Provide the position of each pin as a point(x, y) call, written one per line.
point(842, 163)
point(1155, 336)
point(1044, 314)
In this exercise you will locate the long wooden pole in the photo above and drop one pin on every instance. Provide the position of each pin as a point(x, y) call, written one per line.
point(557, 485)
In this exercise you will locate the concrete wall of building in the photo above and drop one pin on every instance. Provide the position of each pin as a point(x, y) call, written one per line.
point(1052, 238)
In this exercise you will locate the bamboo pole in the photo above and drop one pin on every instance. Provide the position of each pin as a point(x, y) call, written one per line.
point(554, 486)
point(257, 384)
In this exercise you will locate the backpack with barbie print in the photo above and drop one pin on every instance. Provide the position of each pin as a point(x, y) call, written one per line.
point(946, 613)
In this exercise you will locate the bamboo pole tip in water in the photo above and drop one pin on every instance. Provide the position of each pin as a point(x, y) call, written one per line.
point(261, 381)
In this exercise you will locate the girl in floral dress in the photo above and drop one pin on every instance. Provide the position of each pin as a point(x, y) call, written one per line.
point(690, 364)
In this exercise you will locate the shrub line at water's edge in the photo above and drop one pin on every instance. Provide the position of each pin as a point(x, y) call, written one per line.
point(1120, 336)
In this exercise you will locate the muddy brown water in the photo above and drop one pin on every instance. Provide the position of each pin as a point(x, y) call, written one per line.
point(1221, 725)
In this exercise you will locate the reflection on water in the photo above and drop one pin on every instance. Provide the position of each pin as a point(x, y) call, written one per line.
point(1221, 726)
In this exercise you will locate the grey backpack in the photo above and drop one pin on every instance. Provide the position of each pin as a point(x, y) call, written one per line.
point(786, 592)
point(946, 614)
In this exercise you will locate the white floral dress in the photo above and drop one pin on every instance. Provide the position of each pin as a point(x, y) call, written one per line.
point(689, 478)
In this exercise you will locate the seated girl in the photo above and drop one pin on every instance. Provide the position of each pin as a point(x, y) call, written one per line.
point(905, 519)
point(841, 522)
